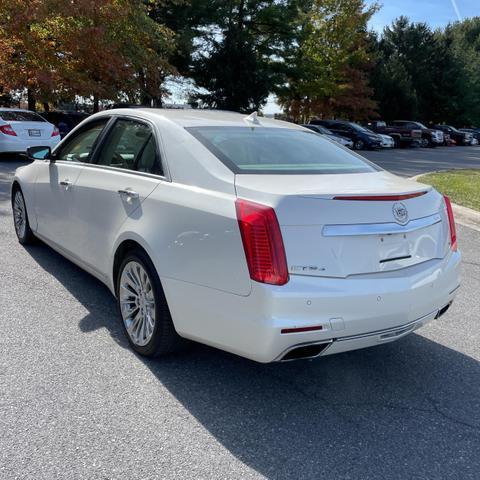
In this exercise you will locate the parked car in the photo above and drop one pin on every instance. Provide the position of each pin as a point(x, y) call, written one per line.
point(20, 129)
point(362, 138)
point(387, 141)
point(475, 134)
point(244, 233)
point(403, 136)
point(346, 142)
point(430, 136)
point(460, 138)
point(65, 121)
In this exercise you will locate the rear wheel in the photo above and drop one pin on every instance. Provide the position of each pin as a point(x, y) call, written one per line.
point(20, 218)
point(143, 307)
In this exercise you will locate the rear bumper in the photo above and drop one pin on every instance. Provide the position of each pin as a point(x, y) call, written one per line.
point(354, 312)
point(20, 145)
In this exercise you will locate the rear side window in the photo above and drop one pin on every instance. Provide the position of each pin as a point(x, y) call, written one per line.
point(261, 150)
point(19, 116)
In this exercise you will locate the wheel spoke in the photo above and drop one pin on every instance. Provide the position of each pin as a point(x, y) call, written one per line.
point(137, 303)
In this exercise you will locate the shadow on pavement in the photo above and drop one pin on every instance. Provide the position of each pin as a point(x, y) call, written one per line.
point(410, 409)
point(405, 410)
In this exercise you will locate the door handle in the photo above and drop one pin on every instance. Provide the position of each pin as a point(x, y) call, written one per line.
point(66, 183)
point(129, 193)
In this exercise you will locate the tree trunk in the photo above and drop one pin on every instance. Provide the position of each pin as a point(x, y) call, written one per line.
point(46, 107)
point(95, 103)
point(31, 100)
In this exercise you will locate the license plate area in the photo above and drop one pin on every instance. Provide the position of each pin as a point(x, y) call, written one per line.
point(394, 248)
point(34, 133)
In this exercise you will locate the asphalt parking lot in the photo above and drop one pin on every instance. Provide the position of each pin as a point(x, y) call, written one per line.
point(77, 403)
point(413, 161)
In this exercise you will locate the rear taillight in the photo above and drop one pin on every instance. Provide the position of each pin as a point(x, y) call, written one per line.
point(451, 221)
point(55, 132)
point(262, 242)
point(8, 130)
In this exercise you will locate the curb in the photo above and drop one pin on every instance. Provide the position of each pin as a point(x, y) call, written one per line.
point(463, 215)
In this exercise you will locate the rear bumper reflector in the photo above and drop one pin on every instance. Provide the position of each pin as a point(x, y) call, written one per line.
point(301, 329)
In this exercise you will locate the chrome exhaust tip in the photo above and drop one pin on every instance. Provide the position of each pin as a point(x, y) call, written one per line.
point(443, 310)
point(305, 351)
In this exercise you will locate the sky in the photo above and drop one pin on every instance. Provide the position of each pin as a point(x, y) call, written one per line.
point(437, 13)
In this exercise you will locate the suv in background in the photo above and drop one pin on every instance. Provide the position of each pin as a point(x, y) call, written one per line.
point(346, 142)
point(431, 137)
point(461, 138)
point(362, 137)
point(403, 136)
point(64, 121)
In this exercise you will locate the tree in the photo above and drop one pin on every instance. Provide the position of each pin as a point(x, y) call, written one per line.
point(101, 48)
point(462, 39)
point(417, 75)
point(329, 61)
point(238, 60)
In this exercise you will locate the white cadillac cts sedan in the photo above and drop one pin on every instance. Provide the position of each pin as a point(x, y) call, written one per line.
point(255, 236)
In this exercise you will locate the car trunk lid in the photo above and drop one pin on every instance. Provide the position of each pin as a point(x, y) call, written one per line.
point(351, 224)
point(32, 130)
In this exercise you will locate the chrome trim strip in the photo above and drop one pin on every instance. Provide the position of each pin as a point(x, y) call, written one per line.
point(380, 228)
point(115, 169)
point(402, 328)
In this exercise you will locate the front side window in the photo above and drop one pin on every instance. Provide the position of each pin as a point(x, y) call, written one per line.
point(79, 148)
point(263, 150)
point(130, 145)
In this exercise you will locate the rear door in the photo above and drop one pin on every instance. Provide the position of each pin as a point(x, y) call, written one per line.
point(125, 170)
point(55, 191)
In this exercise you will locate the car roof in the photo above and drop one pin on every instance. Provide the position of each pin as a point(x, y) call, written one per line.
point(197, 117)
point(5, 109)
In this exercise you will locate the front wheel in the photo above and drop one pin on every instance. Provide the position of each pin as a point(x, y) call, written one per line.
point(20, 218)
point(143, 307)
point(359, 145)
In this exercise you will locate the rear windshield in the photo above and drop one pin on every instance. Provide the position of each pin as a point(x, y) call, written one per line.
point(18, 116)
point(264, 150)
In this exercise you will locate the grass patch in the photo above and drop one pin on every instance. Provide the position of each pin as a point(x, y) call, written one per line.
point(462, 186)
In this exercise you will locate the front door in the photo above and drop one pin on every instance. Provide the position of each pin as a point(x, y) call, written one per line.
point(55, 191)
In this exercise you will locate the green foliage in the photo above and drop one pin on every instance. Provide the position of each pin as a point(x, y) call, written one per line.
point(329, 61)
point(238, 61)
point(427, 75)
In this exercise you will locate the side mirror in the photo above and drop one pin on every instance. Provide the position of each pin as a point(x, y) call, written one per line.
point(39, 153)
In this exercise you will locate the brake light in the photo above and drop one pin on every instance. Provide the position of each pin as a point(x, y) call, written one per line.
point(451, 221)
point(381, 198)
point(262, 242)
point(8, 130)
point(55, 132)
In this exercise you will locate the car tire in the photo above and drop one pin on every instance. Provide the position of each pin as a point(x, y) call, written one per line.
point(20, 218)
point(359, 145)
point(139, 290)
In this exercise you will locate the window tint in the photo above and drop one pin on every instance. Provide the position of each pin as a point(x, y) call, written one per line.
point(19, 116)
point(80, 147)
point(130, 145)
point(278, 150)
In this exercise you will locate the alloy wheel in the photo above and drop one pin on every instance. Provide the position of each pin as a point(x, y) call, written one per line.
point(137, 303)
point(19, 214)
